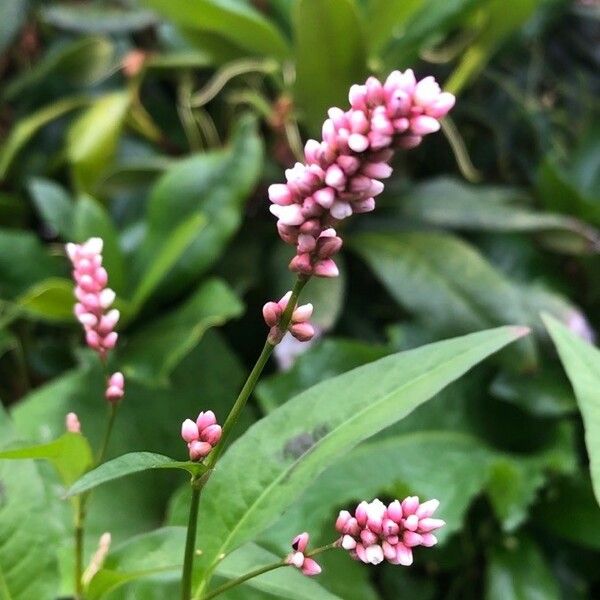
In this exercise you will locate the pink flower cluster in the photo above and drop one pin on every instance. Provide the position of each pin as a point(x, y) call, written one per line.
point(201, 436)
point(115, 388)
point(377, 532)
point(298, 559)
point(299, 325)
point(342, 174)
point(93, 297)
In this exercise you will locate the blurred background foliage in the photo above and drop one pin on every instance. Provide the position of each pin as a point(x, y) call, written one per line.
point(158, 125)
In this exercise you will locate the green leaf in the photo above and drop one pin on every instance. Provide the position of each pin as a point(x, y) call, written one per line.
point(294, 443)
point(582, 364)
point(236, 21)
point(24, 262)
point(519, 571)
point(445, 282)
point(86, 18)
point(171, 251)
point(49, 300)
point(447, 202)
point(93, 136)
point(154, 351)
point(26, 128)
point(133, 462)
point(28, 539)
point(329, 358)
point(82, 62)
point(570, 511)
point(92, 220)
point(70, 454)
point(386, 18)
point(216, 184)
point(502, 17)
point(330, 56)
point(54, 205)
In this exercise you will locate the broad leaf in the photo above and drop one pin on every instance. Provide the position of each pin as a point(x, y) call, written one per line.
point(70, 454)
point(519, 571)
point(28, 540)
point(216, 184)
point(582, 364)
point(388, 18)
point(25, 129)
point(54, 205)
point(294, 443)
point(134, 462)
point(153, 351)
point(445, 282)
point(238, 22)
point(93, 136)
point(330, 56)
point(50, 300)
point(167, 256)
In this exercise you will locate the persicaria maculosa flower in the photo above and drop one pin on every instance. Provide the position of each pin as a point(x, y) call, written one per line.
point(298, 559)
point(115, 388)
point(93, 296)
point(299, 325)
point(376, 532)
point(72, 424)
point(342, 174)
point(202, 435)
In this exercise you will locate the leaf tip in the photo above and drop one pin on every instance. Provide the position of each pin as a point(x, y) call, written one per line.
point(521, 330)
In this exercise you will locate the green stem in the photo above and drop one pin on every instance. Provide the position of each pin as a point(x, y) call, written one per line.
point(79, 519)
point(190, 541)
point(235, 582)
point(109, 427)
point(254, 376)
point(281, 563)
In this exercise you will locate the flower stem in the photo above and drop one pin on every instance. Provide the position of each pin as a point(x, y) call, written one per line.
point(235, 582)
point(79, 519)
point(190, 540)
point(254, 376)
point(109, 427)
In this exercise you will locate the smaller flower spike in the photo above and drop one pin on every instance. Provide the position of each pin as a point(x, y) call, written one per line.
point(299, 325)
point(115, 389)
point(93, 297)
point(202, 435)
point(377, 532)
point(72, 423)
point(297, 558)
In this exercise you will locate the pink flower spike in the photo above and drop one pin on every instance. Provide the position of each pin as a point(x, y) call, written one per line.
point(404, 555)
point(395, 511)
point(303, 332)
point(302, 313)
point(189, 431)
point(428, 540)
point(342, 520)
point(205, 419)
point(72, 423)
point(300, 542)
point(374, 554)
point(348, 542)
point(310, 567)
point(326, 268)
point(410, 505)
point(296, 559)
point(429, 524)
point(426, 509)
point(271, 313)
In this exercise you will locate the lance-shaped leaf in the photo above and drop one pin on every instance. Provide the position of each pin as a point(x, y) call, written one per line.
point(133, 462)
point(267, 468)
point(582, 364)
point(70, 454)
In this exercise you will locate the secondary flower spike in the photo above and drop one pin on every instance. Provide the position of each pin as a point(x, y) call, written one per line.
point(201, 435)
point(376, 532)
point(115, 388)
point(298, 559)
point(342, 173)
point(72, 423)
point(93, 296)
point(299, 325)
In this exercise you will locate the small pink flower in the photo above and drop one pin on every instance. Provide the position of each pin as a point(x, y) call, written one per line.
point(93, 297)
point(72, 423)
point(378, 532)
point(298, 559)
point(201, 435)
point(342, 173)
point(299, 326)
point(115, 389)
